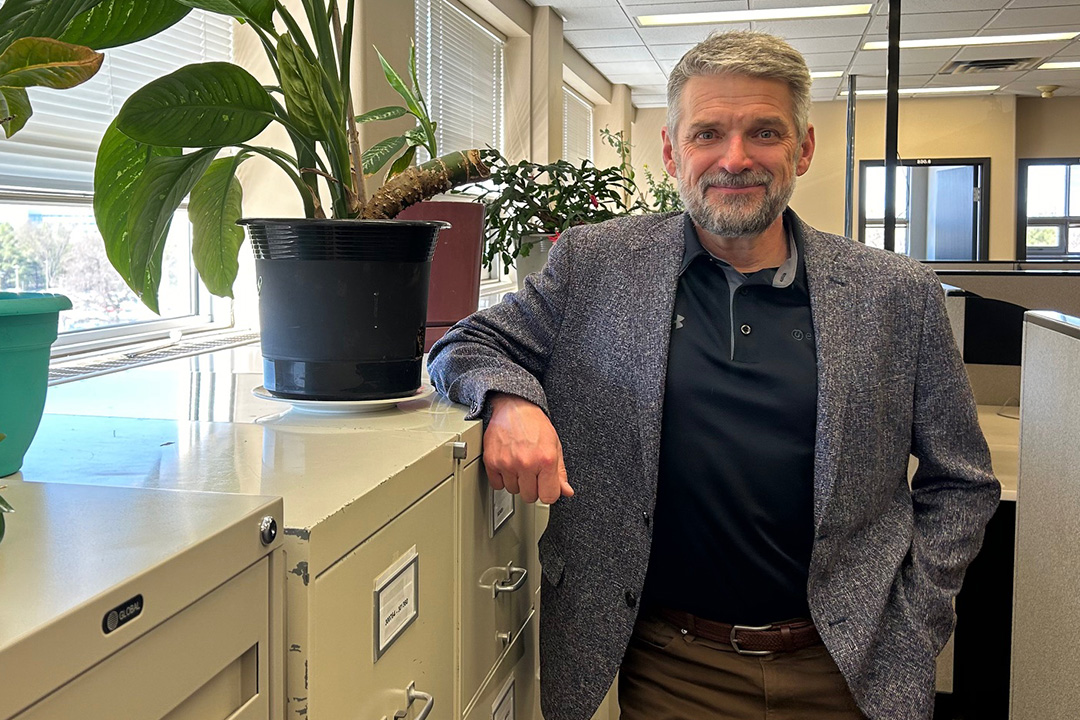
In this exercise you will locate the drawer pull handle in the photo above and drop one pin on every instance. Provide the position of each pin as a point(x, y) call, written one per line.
point(413, 695)
point(505, 637)
point(511, 583)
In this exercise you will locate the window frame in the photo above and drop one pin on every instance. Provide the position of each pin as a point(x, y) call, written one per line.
point(1062, 223)
point(980, 250)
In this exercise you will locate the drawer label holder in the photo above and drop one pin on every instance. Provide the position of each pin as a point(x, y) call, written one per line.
point(396, 600)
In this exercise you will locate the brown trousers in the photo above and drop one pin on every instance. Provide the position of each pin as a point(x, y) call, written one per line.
point(667, 675)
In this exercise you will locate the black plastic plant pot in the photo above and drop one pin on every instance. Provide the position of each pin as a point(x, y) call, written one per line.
point(342, 305)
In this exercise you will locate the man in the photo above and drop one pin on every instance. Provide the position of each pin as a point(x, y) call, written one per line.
point(723, 404)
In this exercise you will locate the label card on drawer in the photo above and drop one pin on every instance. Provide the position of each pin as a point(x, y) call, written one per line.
point(503, 707)
point(396, 600)
point(502, 507)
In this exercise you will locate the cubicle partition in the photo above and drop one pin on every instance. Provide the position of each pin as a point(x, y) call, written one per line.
point(1046, 604)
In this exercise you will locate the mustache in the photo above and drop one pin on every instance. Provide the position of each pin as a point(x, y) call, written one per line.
point(722, 178)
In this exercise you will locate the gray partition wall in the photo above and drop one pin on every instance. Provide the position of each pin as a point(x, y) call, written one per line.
point(1046, 604)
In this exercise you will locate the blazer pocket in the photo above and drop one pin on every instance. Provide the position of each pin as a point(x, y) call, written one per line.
point(551, 562)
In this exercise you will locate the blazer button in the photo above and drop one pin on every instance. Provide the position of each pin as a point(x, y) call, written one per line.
point(645, 517)
point(745, 329)
point(631, 599)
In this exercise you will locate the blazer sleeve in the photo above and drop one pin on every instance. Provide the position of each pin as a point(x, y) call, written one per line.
point(954, 491)
point(505, 348)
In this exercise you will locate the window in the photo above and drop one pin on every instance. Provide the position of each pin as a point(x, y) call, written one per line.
point(1048, 209)
point(48, 238)
point(940, 212)
point(460, 66)
point(577, 127)
point(459, 61)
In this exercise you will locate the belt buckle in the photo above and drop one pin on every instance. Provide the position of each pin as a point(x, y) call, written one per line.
point(735, 643)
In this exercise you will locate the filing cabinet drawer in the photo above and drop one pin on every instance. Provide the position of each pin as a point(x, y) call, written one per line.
point(496, 583)
point(346, 680)
point(510, 692)
point(208, 662)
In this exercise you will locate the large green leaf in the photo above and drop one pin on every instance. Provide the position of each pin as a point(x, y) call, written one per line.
point(402, 163)
point(378, 154)
point(384, 113)
point(215, 207)
point(396, 82)
point(259, 11)
point(38, 18)
point(15, 109)
point(120, 165)
point(164, 184)
point(301, 83)
point(120, 22)
point(199, 105)
point(32, 61)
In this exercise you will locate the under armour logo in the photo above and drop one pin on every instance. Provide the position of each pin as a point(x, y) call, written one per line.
point(679, 321)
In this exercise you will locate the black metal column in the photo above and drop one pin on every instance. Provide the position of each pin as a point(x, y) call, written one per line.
point(849, 176)
point(892, 111)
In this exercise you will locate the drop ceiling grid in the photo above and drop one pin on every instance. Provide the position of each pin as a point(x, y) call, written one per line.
point(607, 35)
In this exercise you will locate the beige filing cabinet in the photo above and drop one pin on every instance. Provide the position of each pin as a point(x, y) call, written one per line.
point(140, 603)
point(361, 491)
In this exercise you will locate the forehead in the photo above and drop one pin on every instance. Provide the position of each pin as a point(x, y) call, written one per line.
point(733, 97)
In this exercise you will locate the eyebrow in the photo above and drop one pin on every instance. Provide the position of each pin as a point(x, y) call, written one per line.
point(776, 121)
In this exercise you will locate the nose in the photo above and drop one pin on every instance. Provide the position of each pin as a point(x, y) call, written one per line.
point(735, 159)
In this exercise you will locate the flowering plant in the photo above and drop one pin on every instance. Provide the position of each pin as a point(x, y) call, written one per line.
point(528, 198)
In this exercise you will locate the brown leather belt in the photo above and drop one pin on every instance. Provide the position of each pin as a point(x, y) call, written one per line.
point(746, 640)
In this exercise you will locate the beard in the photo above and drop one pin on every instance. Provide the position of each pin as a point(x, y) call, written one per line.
point(738, 215)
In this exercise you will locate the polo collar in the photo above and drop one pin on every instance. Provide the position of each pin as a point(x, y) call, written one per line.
point(785, 274)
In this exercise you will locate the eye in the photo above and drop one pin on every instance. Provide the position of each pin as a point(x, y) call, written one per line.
point(768, 134)
point(706, 135)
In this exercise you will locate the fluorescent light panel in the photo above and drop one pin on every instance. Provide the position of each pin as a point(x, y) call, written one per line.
point(1060, 65)
point(821, 74)
point(974, 40)
point(736, 16)
point(930, 90)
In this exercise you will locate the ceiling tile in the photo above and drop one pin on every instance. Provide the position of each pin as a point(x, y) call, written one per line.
point(560, 5)
point(628, 67)
point(654, 78)
point(967, 22)
point(912, 54)
point(651, 7)
point(823, 45)
point(601, 18)
point(670, 52)
point(933, 6)
point(684, 33)
point(601, 38)
point(1052, 19)
point(1019, 50)
point(828, 61)
point(815, 28)
point(616, 54)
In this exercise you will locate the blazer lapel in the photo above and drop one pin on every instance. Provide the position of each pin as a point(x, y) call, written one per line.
point(655, 267)
point(832, 298)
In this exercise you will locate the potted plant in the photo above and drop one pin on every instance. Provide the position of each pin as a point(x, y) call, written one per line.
point(324, 336)
point(531, 203)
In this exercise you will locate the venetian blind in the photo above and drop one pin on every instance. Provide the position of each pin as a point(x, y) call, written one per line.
point(460, 67)
point(56, 150)
point(577, 127)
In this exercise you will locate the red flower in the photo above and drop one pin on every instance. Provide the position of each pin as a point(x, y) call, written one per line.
point(595, 202)
point(555, 237)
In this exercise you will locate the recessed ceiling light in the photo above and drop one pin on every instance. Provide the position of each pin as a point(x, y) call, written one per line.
point(736, 16)
point(931, 90)
point(826, 74)
point(974, 40)
point(1060, 65)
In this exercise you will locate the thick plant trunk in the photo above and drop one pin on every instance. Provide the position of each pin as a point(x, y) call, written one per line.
point(425, 181)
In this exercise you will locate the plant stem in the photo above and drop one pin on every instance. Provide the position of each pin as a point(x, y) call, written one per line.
point(358, 190)
point(418, 183)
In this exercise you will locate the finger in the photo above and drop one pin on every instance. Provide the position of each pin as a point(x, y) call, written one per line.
point(528, 487)
point(495, 478)
point(510, 482)
point(548, 484)
point(564, 483)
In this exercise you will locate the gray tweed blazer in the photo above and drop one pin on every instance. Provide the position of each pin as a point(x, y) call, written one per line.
point(587, 340)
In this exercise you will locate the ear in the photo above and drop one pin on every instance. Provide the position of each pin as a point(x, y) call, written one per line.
point(669, 157)
point(806, 152)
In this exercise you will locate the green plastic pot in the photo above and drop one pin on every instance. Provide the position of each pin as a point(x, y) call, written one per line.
point(28, 323)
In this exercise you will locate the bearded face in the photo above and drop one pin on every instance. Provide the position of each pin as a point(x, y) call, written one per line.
point(736, 215)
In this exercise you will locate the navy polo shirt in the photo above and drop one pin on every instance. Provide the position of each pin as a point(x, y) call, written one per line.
point(733, 525)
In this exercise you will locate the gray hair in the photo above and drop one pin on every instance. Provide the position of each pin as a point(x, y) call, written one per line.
point(743, 52)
